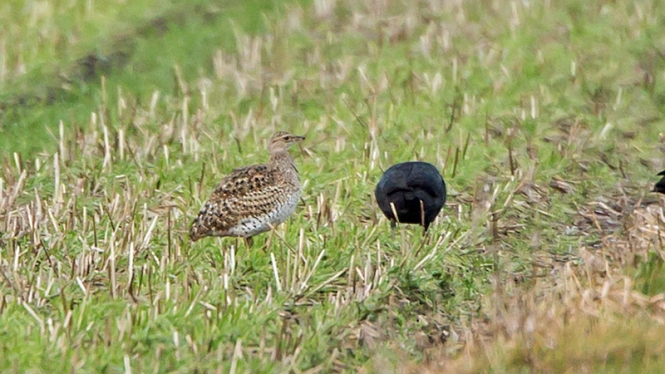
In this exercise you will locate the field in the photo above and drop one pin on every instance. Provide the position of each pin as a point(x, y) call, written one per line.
point(546, 119)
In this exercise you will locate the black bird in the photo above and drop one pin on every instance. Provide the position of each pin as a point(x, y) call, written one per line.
point(660, 186)
point(417, 191)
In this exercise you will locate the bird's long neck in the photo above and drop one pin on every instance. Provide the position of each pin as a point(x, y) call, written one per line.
point(282, 160)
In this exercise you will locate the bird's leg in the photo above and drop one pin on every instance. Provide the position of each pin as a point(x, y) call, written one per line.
point(248, 242)
point(422, 213)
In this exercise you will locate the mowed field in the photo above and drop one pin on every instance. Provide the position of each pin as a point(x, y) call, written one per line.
point(546, 119)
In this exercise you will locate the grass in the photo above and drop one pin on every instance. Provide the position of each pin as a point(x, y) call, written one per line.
point(545, 120)
point(141, 47)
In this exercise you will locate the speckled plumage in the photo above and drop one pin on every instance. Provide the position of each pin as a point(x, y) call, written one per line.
point(251, 199)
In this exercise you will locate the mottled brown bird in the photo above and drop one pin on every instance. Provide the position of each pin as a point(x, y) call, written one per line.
point(250, 200)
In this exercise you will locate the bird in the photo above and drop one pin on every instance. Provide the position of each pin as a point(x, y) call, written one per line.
point(413, 191)
point(252, 199)
point(660, 186)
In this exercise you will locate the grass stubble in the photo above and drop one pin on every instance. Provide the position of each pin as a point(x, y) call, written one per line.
point(543, 118)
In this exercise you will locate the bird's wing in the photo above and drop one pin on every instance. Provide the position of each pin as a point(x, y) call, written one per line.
point(252, 190)
point(246, 192)
point(243, 181)
point(434, 186)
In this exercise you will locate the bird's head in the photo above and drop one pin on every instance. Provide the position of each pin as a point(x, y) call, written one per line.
point(282, 140)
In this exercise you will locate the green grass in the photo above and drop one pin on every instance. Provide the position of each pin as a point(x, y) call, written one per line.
point(539, 117)
point(139, 48)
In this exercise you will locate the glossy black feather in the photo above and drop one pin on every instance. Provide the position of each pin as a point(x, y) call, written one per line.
point(406, 185)
point(660, 186)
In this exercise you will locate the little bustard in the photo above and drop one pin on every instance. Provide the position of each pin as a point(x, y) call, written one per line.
point(250, 200)
point(414, 191)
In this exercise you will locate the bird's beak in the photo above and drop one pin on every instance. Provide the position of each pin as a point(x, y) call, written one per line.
point(299, 139)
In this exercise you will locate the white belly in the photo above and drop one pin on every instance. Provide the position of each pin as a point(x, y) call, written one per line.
point(256, 225)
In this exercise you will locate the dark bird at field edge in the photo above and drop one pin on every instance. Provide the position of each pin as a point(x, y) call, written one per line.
point(660, 185)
